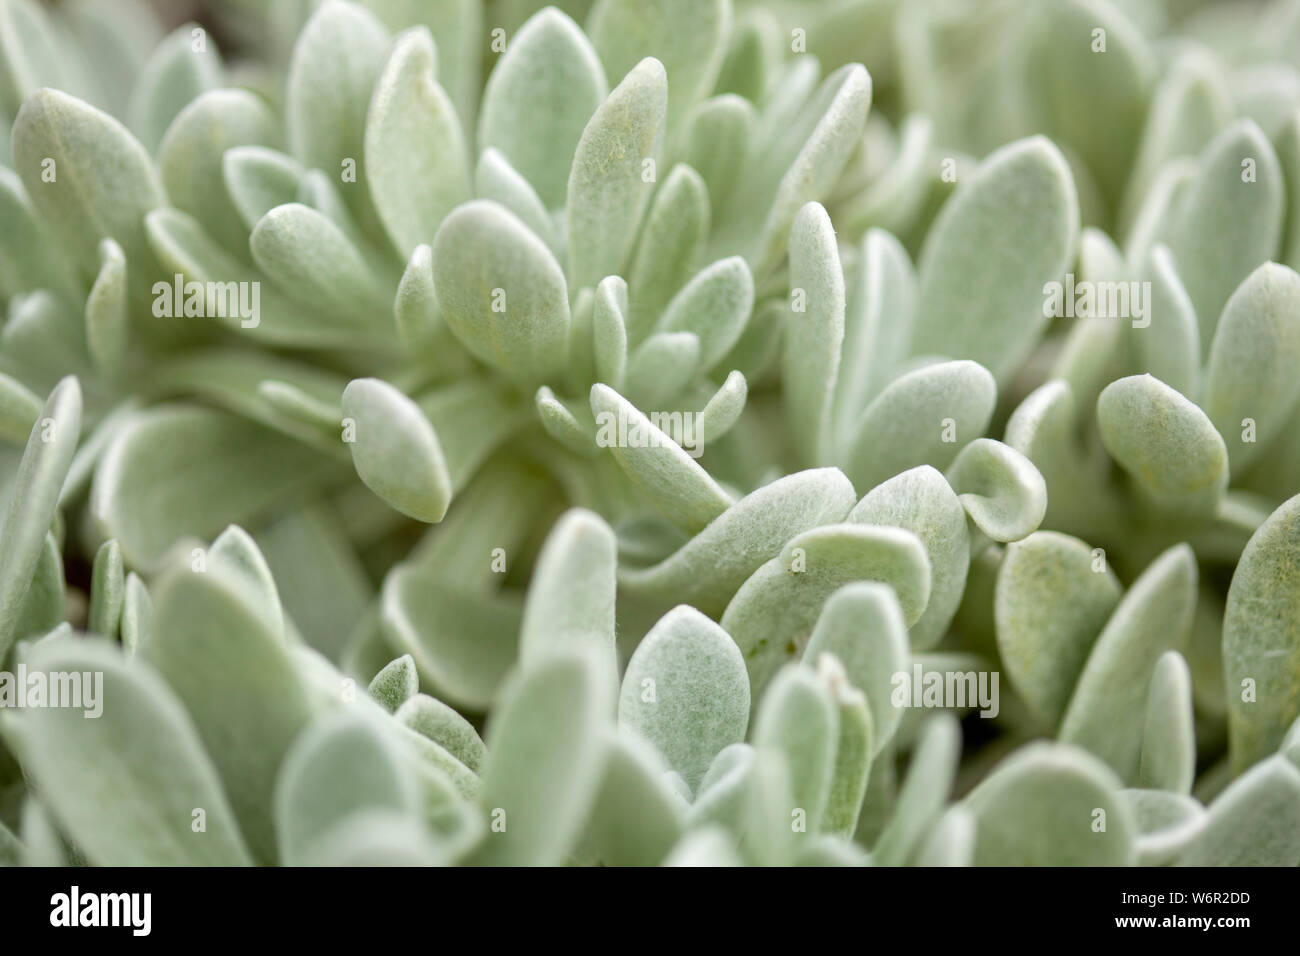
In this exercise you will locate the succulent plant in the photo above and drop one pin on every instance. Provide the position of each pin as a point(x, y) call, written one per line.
point(446, 433)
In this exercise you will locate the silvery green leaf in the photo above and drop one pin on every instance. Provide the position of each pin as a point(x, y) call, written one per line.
point(545, 758)
point(538, 99)
point(706, 571)
point(921, 501)
point(1168, 737)
point(854, 749)
point(1000, 488)
point(87, 177)
point(107, 587)
point(137, 614)
point(657, 465)
point(797, 718)
point(395, 449)
point(861, 625)
point(1168, 823)
point(417, 162)
point(28, 260)
point(444, 726)
point(686, 691)
point(722, 410)
point(877, 328)
point(1046, 805)
point(709, 846)
point(661, 367)
point(608, 186)
point(415, 308)
point(609, 331)
point(497, 180)
point(19, 409)
point(951, 841)
point(634, 777)
point(395, 684)
point(672, 239)
point(1251, 376)
point(814, 330)
point(1170, 348)
point(716, 143)
point(457, 27)
point(983, 301)
point(1094, 103)
point(232, 671)
point(1229, 222)
point(177, 471)
point(714, 305)
point(29, 53)
point(290, 401)
point(564, 421)
point(338, 766)
point(501, 291)
point(840, 108)
point(930, 776)
point(688, 36)
point(337, 60)
point(463, 643)
point(773, 614)
point(1254, 822)
point(176, 74)
point(106, 310)
point(1106, 712)
point(125, 786)
point(923, 417)
point(258, 179)
point(43, 605)
point(43, 845)
point(43, 341)
point(1168, 446)
point(33, 499)
point(192, 158)
point(571, 593)
point(1287, 144)
point(1261, 638)
point(1052, 600)
point(313, 261)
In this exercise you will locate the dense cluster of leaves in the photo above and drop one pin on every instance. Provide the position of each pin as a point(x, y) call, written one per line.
point(367, 582)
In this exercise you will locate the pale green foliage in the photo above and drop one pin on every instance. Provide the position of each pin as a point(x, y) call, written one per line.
point(476, 432)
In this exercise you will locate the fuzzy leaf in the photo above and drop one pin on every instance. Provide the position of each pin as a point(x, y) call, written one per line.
point(1254, 822)
point(417, 162)
point(33, 499)
point(539, 98)
point(545, 756)
point(686, 691)
point(1002, 491)
point(924, 417)
point(930, 777)
point(774, 612)
point(1261, 638)
point(501, 291)
point(124, 786)
point(676, 226)
point(1106, 712)
point(608, 194)
point(981, 300)
point(1168, 446)
point(1050, 605)
point(797, 718)
point(1168, 737)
